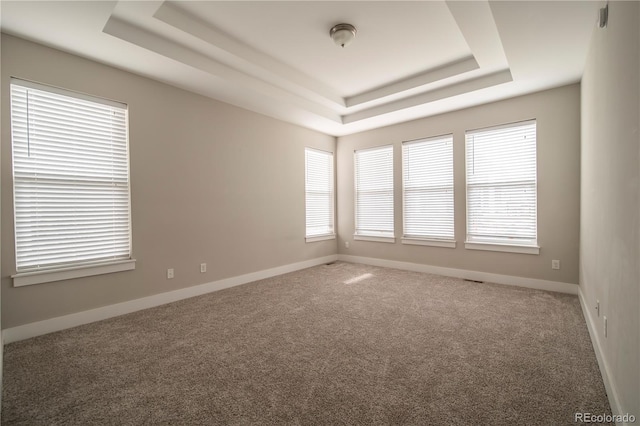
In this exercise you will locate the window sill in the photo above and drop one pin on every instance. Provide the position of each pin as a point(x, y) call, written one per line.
point(508, 248)
point(51, 275)
point(320, 238)
point(377, 239)
point(431, 243)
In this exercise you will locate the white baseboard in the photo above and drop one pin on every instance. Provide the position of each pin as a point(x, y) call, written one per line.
point(609, 385)
point(556, 286)
point(38, 328)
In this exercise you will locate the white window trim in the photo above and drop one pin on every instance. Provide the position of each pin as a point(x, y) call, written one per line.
point(320, 238)
point(478, 244)
point(429, 242)
point(426, 240)
point(506, 248)
point(378, 239)
point(60, 274)
point(332, 234)
point(375, 236)
point(52, 274)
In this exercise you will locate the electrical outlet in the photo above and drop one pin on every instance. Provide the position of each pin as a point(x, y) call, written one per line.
point(555, 264)
point(203, 268)
point(598, 307)
point(605, 326)
point(346, 244)
point(169, 273)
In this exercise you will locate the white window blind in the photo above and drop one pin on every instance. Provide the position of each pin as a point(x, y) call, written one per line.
point(71, 179)
point(427, 183)
point(501, 184)
point(319, 193)
point(374, 192)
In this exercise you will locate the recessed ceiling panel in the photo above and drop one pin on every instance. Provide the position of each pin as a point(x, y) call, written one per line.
point(409, 59)
point(395, 40)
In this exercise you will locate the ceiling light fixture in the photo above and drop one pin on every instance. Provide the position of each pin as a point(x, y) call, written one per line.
point(342, 34)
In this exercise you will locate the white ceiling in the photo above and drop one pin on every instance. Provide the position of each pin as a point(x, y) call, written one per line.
point(409, 59)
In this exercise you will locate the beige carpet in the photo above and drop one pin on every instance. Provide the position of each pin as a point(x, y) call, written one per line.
point(335, 344)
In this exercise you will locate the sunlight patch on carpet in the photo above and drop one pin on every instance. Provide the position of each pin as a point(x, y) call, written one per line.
point(358, 279)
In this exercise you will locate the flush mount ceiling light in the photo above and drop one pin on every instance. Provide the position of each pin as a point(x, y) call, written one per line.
point(342, 34)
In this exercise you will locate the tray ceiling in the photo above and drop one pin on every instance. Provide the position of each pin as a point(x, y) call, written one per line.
point(408, 60)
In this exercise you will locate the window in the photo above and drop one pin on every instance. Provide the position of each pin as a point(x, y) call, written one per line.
point(71, 184)
point(427, 190)
point(319, 195)
point(374, 194)
point(501, 188)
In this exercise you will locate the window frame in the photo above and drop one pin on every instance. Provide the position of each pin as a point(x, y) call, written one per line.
point(379, 235)
point(505, 244)
point(70, 270)
point(332, 234)
point(428, 240)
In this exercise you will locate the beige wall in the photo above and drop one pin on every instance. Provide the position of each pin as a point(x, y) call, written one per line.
point(209, 183)
point(610, 199)
point(558, 130)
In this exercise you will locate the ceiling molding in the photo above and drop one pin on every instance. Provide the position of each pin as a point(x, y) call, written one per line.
point(466, 86)
point(422, 79)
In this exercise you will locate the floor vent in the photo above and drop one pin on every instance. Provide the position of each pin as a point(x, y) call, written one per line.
point(474, 281)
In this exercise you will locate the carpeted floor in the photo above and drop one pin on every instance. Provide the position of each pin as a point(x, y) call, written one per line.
point(334, 344)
